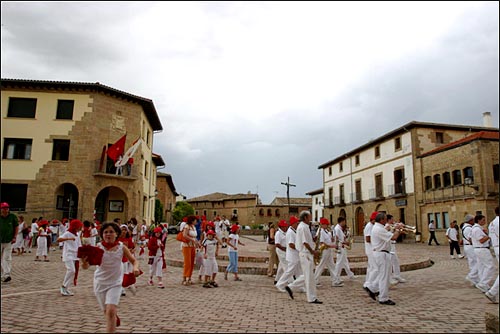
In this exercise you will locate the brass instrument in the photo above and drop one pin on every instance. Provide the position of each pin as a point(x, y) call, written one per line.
point(349, 238)
point(320, 247)
point(403, 228)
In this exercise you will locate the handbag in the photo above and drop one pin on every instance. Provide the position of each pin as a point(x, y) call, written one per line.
point(180, 237)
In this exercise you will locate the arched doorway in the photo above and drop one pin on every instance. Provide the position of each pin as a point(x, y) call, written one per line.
point(381, 208)
point(360, 220)
point(111, 203)
point(67, 201)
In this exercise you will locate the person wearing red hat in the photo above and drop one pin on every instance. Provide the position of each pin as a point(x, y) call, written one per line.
point(156, 249)
point(210, 251)
point(340, 232)
point(326, 240)
point(71, 241)
point(368, 249)
point(9, 226)
point(233, 242)
point(42, 241)
point(280, 243)
point(293, 269)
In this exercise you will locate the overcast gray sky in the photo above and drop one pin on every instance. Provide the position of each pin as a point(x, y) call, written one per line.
point(250, 93)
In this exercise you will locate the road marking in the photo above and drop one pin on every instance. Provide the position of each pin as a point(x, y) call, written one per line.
point(15, 294)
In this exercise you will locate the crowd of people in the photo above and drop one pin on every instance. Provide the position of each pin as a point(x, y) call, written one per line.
point(302, 255)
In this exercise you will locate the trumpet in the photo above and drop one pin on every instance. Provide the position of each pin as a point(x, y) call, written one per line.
point(403, 228)
point(348, 238)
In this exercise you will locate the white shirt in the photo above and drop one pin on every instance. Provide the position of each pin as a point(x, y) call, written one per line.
point(304, 236)
point(292, 255)
point(280, 238)
point(431, 227)
point(34, 228)
point(466, 233)
point(339, 233)
point(380, 238)
point(325, 237)
point(233, 240)
point(451, 232)
point(493, 232)
point(367, 232)
point(70, 247)
point(476, 235)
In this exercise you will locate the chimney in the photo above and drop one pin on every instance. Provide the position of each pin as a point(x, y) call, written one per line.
point(487, 119)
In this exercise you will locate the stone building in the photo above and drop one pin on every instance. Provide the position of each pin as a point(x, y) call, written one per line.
point(318, 200)
point(459, 178)
point(55, 136)
point(166, 194)
point(386, 174)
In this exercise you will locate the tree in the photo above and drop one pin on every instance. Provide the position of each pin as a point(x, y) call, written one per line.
point(158, 211)
point(181, 210)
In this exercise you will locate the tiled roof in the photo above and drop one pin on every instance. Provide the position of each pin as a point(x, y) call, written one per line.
point(482, 135)
point(219, 197)
point(294, 201)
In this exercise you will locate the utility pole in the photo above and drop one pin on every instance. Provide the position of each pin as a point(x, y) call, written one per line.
point(288, 185)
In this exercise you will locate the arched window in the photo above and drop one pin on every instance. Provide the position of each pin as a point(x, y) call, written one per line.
point(277, 212)
point(269, 212)
point(261, 212)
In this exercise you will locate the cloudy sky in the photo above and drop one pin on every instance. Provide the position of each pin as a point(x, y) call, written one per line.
point(250, 93)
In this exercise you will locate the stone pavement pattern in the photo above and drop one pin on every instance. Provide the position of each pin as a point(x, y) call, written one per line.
point(434, 300)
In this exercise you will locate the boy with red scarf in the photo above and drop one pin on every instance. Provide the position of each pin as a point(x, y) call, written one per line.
point(71, 242)
point(156, 250)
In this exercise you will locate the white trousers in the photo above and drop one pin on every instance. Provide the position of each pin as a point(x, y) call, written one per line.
point(473, 274)
point(155, 269)
point(494, 289)
point(292, 268)
point(486, 266)
point(396, 270)
point(6, 254)
point(282, 264)
point(382, 275)
point(70, 273)
point(307, 279)
point(42, 246)
point(343, 263)
point(326, 261)
point(369, 268)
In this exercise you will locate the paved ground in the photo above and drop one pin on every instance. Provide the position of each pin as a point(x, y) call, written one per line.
point(435, 299)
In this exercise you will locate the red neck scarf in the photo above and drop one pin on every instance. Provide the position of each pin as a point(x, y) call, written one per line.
point(108, 246)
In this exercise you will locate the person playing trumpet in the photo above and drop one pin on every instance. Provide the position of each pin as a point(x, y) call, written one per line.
point(326, 243)
point(396, 270)
point(342, 242)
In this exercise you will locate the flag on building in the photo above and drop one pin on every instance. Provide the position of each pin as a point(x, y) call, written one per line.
point(117, 149)
point(131, 151)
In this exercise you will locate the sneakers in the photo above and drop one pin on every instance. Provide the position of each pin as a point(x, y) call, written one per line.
point(492, 298)
point(452, 257)
point(215, 285)
point(7, 279)
point(394, 281)
point(460, 256)
point(66, 292)
point(207, 285)
point(150, 282)
point(482, 287)
point(316, 301)
point(123, 292)
point(338, 284)
point(387, 302)
point(352, 277)
point(401, 280)
point(160, 285)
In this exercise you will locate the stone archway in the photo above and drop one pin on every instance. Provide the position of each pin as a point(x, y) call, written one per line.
point(381, 208)
point(360, 220)
point(67, 197)
point(111, 202)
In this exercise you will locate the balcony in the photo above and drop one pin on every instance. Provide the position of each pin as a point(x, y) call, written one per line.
point(108, 170)
point(375, 194)
point(356, 198)
point(339, 200)
point(396, 190)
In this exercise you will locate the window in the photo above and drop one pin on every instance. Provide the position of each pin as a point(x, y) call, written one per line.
point(446, 220)
point(357, 185)
point(437, 181)
point(330, 196)
point(438, 222)
point(356, 160)
point(60, 149)
point(21, 107)
point(495, 173)
point(469, 174)
point(146, 169)
point(148, 139)
point(377, 152)
point(397, 144)
point(261, 212)
point(446, 179)
point(341, 166)
point(235, 212)
point(378, 186)
point(399, 181)
point(277, 212)
point(342, 196)
point(269, 212)
point(65, 109)
point(457, 177)
point(17, 148)
point(330, 171)
point(15, 195)
point(316, 201)
point(439, 138)
point(428, 183)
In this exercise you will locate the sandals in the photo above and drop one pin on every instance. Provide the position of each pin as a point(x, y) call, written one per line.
point(214, 284)
point(189, 282)
point(238, 279)
point(184, 282)
point(160, 285)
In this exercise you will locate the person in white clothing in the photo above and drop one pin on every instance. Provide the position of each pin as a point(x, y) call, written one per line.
point(108, 275)
point(473, 275)
point(71, 241)
point(492, 293)
point(452, 235)
point(305, 245)
point(342, 260)
point(291, 257)
point(326, 240)
point(280, 243)
point(19, 244)
point(481, 244)
point(396, 270)
point(368, 248)
point(381, 246)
